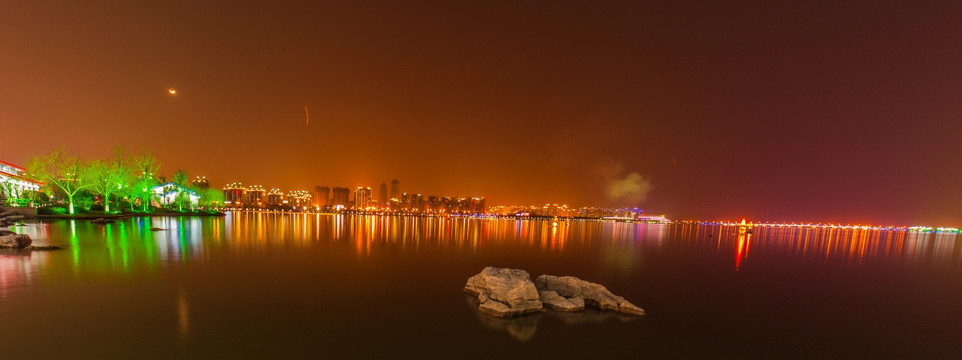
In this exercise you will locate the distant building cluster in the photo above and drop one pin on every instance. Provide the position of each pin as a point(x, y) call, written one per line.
point(238, 195)
point(555, 210)
point(360, 199)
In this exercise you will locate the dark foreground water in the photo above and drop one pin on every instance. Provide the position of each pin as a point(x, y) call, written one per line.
point(269, 285)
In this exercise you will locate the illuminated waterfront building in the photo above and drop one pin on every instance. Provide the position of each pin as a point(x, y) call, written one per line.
point(340, 196)
point(14, 181)
point(299, 198)
point(363, 198)
point(480, 204)
point(417, 202)
point(234, 194)
point(169, 194)
point(275, 197)
point(554, 210)
point(255, 195)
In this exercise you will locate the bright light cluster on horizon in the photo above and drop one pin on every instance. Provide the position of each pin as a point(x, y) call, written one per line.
point(830, 226)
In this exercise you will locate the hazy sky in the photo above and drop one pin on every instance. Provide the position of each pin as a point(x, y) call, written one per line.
point(845, 111)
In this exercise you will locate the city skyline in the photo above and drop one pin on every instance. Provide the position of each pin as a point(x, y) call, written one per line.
point(844, 111)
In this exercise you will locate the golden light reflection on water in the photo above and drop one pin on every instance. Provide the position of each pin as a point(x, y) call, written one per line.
point(852, 246)
point(183, 315)
point(148, 245)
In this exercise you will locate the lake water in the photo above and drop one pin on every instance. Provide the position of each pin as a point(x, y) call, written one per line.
point(255, 285)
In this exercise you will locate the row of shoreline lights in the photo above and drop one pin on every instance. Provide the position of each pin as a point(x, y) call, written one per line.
point(834, 226)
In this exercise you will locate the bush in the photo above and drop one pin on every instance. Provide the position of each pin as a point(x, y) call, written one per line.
point(52, 210)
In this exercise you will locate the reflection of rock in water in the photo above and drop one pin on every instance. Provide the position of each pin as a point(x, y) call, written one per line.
point(521, 328)
point(590, 316)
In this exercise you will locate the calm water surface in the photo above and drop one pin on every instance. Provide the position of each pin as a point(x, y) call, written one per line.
point(267, 285)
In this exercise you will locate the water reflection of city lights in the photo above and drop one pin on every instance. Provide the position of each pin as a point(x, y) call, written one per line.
point(129, 246)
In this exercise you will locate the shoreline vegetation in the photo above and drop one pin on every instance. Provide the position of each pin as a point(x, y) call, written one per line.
point(121, 216)
point(122, 183)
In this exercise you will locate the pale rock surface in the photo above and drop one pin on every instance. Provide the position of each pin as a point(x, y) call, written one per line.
point(16, 241)
point(553, 301)
point(594, 295)
point(504, 292)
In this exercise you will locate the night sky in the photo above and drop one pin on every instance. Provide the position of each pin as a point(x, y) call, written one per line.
point(844, 111)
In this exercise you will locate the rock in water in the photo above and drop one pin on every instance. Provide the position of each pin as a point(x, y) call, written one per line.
point(16, 241)
point(504, 292)
point(43, 247)
point(7, 232)
point(553, 301)
point(594, 295)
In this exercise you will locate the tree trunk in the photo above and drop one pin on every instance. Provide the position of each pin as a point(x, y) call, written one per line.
point(70, 202)
point(106, 202)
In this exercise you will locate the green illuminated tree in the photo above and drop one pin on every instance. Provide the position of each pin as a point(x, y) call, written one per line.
point(61, 170)
point(211, 197)
point(180, 179)
point(111, 175)
point(145, 166)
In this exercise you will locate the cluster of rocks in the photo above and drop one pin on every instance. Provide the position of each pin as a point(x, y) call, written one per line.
point(8, 218)
point(503, 292)
point(12, 240)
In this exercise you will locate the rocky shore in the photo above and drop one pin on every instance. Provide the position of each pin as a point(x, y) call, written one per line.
point(12, 240)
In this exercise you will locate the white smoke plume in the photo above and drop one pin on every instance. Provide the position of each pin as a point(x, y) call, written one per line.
point(631, 189)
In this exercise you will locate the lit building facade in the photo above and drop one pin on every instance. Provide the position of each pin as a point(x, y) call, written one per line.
point(255, 196)
point(299, 198)
point(169, 194)
point(234, 194)
point(14, 181)
point(363, 198)
point(275, 197)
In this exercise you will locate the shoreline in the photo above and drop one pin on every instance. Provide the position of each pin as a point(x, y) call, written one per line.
point(119, 216)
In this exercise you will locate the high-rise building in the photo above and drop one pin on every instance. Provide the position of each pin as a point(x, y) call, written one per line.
point(382, 196)
point(395, 189)
point(255, 196)
point(275, 197)
point(340, 196)
point(322, 195)
point(299, 198)
point(362, 198)
point(200, 182)
point(417, 202)
point(234, 193)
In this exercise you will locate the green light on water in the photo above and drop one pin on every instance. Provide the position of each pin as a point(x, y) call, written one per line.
point(74, 247)
point(124, 248)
